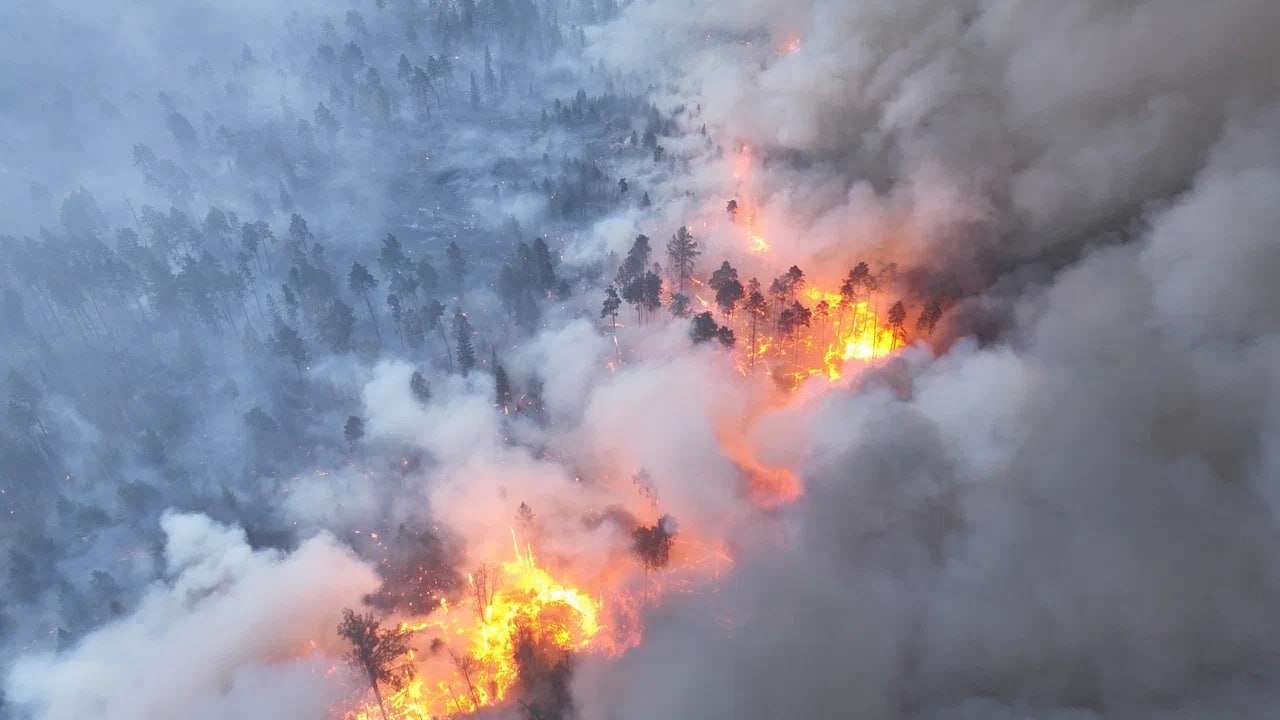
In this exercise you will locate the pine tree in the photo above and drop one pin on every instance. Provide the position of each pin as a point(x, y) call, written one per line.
point(612, 302)
point(462, 337)
point(897, 319)
point(651, 291)
point(288, 343)
point(683, 252)
point(377, 652)
point(501, 387)
point(727, 287)
point(758, 310)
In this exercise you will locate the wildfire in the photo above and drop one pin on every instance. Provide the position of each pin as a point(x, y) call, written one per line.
point(474, 652)
point(838, 332)
point(856, 331)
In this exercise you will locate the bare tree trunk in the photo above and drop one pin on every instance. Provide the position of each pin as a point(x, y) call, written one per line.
point(378, 694)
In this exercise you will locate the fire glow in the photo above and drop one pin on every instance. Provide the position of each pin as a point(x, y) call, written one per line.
point(521, 620)
point(516, 613)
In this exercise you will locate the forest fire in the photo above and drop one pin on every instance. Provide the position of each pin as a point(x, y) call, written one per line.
point(796, 340)
point(826, 339)
point(512, 637)
point(518, 620)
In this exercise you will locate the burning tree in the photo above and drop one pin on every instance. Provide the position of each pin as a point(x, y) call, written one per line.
point(758, 309)
point(652, 543)
point(792, 318)
point(786, 285)
point(897, 318)
point(376, 651)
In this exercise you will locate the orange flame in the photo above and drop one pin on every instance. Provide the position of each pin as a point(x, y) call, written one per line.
point(471, 658)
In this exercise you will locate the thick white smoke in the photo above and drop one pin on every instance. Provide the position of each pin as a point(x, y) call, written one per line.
point(1075, 520)
point(231, 633)
point(991, 131)
point(1081, 521)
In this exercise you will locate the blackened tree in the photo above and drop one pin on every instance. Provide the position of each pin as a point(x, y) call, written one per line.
point(378, 652)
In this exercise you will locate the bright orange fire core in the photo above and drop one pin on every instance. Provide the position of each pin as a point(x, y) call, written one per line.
point(467, 656)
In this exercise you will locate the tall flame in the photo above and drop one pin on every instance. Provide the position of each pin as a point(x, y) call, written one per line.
point(472, 650)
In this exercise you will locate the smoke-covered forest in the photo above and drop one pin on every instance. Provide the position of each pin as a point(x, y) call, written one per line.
point(621, 359)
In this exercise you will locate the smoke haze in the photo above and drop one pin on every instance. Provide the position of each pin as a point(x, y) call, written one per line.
point(1061, 503)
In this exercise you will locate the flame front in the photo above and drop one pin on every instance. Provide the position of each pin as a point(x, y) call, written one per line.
point(840, 333)
point(468, 656)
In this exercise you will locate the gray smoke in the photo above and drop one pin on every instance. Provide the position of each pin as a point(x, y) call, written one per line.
point(1075, 520)
point(1065, 510)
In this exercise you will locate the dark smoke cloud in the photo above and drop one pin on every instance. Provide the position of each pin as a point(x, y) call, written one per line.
point(1075, 519)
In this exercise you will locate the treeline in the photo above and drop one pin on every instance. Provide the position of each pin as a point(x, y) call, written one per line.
point(780, 309)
